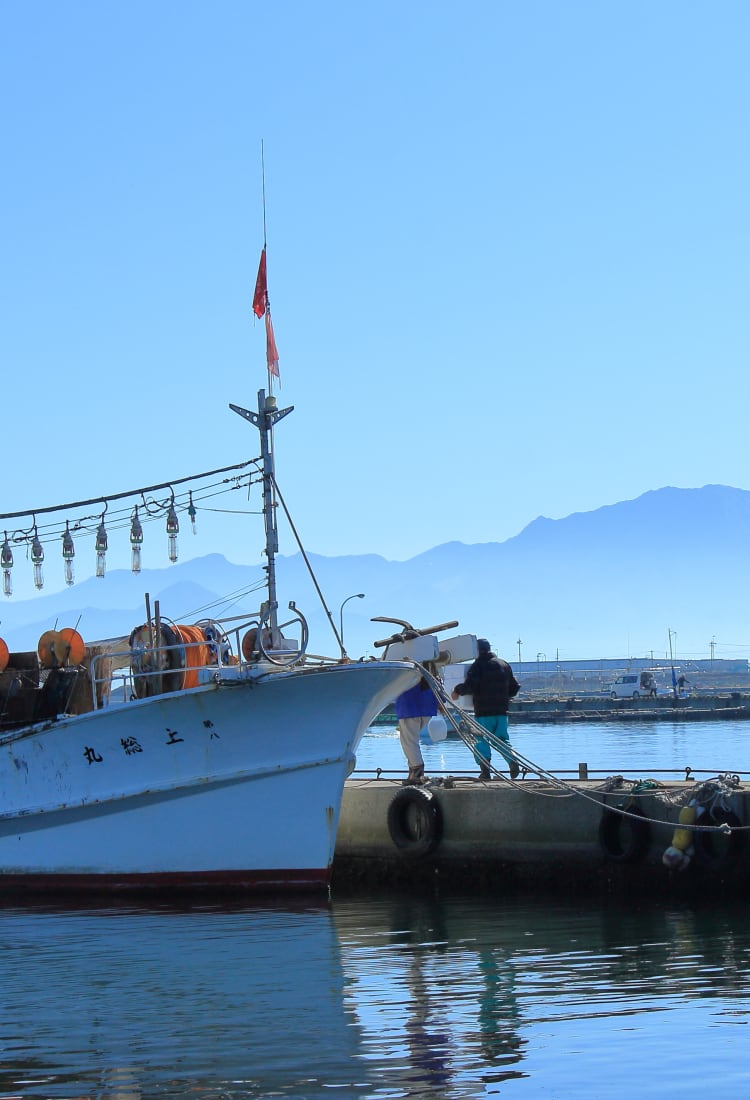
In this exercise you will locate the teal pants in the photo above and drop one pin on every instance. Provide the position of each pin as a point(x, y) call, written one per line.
point(497, 725)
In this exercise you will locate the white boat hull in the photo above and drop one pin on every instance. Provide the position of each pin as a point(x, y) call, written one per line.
point(232, 784)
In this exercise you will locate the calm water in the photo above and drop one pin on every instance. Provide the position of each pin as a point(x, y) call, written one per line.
point(375, 997)
point(608, 747)
point(383, 996)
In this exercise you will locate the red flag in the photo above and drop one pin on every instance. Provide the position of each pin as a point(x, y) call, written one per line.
point(272, 354)
point(261, 288)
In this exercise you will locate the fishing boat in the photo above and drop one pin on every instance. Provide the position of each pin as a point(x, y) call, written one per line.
point(206, 755)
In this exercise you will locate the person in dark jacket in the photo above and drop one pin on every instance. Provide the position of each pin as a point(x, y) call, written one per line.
point(414, 708)
point(491, 683)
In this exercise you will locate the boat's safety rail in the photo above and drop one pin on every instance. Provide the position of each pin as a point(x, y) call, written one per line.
point(164, 657)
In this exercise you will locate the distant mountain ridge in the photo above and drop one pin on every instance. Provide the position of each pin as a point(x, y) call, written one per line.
point(610, 582)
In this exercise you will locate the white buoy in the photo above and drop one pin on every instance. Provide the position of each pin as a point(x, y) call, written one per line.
point(437, 728)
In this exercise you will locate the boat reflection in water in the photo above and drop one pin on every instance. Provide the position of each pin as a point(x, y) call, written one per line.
point(133, 1004)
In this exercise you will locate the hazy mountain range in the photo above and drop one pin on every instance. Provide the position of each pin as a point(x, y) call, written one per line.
point(611, 582)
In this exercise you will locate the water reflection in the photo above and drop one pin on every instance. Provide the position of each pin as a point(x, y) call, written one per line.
point(370, 998)
point(461, 997)
point(126, 1004)
point(447, 1005)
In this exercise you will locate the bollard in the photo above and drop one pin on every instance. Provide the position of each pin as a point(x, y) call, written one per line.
point(583, 771)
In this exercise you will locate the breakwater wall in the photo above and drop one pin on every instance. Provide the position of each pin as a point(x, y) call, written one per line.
point(690, 708)
point(594, 708)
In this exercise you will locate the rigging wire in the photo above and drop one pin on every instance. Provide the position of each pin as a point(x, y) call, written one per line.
point(128, 493)
point(309, 566)
point(228, 602)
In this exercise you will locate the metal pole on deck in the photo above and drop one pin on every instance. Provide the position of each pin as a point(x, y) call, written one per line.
point(264, 420)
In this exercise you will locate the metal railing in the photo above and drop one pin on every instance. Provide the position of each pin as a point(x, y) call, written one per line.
point(142, 671)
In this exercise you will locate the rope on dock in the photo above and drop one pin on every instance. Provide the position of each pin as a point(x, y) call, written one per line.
point(711, 794)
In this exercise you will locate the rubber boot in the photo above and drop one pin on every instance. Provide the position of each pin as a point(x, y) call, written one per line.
point(416, 777)
point(484, 772)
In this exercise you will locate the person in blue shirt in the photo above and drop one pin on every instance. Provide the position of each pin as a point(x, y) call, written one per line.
point(414, 708)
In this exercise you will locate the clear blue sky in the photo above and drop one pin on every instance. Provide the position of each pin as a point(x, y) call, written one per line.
point(507, 250)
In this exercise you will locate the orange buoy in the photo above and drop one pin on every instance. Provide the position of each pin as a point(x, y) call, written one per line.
point(75, 645)
point(46, 649)
point(4, 656)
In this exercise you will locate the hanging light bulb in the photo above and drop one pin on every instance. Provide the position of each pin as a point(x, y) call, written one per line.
point(173, 527)
point(6, 561)
point(191, 513)
point(136, 538)
point(101, 548)
point(37, 557)
point(68, 553)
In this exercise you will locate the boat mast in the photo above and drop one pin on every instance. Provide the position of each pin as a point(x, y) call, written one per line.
point(264, 420)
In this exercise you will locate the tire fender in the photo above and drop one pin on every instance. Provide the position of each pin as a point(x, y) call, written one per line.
point(415, 821)
point(624, 839)
point(718, 851)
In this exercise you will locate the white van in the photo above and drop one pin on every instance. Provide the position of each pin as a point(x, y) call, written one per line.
point(626, 687)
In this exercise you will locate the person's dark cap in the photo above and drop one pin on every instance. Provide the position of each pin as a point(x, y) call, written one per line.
point(483, 646)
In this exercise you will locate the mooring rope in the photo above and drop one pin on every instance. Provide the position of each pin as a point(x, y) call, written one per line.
point(710, 794)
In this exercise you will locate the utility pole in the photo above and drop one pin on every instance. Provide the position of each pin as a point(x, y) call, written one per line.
point(518, 643)
point(713, 647)
point(671, 661)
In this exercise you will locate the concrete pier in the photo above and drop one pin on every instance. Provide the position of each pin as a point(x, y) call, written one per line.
point(471, 835)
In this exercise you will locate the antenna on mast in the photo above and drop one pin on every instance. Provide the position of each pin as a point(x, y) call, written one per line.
point(263, 187)
point(261, 305)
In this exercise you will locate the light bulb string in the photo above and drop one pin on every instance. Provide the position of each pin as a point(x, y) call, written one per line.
point(150, 509)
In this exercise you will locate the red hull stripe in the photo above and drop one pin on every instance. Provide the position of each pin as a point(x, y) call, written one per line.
point(277, 880)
